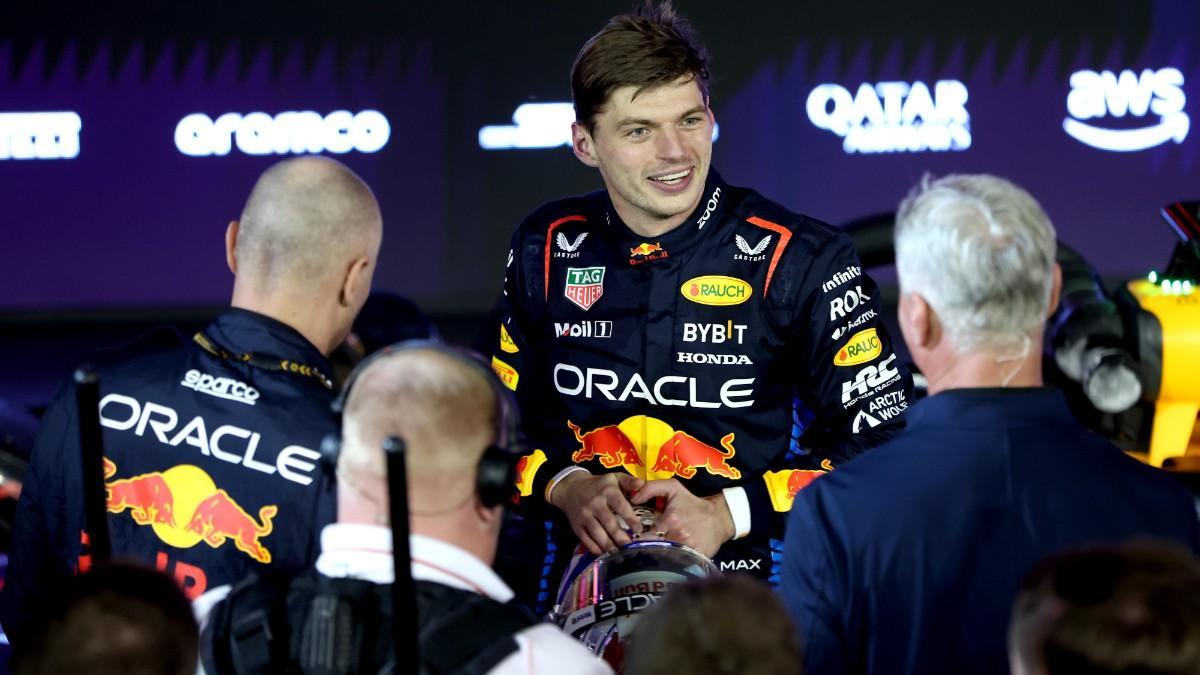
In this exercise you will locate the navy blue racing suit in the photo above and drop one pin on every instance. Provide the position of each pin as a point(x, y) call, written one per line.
point(743, 349)
point(211, 462)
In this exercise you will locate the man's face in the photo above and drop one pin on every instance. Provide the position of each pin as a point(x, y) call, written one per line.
point(653, 151)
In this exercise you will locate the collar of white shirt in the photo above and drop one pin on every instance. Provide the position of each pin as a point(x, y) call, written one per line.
point(365, 552)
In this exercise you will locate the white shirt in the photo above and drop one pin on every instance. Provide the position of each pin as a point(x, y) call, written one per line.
point(365, 552)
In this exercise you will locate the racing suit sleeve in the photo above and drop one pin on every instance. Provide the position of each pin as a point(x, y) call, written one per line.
point(41, 545)
point(850, 387)
point(517, 358)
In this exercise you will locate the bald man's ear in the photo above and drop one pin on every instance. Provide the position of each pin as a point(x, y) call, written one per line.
point(357, 282)
point(489, 516)
point(583, 145)
point(1055, 291)
point(231, 235)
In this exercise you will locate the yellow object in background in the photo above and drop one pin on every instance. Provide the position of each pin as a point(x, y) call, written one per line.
point(1176, 305)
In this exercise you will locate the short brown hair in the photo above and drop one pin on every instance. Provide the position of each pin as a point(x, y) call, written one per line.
point(651, 47)
point(728, 625)
point(117, 619)
point(1126, 609)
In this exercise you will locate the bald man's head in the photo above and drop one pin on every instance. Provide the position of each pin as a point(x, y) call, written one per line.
point(305, 221)
point(443, 408)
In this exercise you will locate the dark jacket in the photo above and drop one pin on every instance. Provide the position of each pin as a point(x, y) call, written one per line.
point(211, 462)
point(908, 559)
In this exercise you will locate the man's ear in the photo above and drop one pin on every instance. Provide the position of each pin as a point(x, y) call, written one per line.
point(583, 145)
point(920, 324)
point(489, 516)
point(357, 282)
point(1055, 291)
point(231, 234)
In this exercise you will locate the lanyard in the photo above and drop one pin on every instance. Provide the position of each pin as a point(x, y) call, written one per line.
point(264, 362)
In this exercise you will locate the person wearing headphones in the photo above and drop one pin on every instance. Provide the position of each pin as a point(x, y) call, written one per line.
point(450, 413)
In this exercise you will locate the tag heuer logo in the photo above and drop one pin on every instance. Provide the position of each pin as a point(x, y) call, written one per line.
point(585, 285)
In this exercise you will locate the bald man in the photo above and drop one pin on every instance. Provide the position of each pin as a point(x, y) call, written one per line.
point(212, 441)
point(446, 411)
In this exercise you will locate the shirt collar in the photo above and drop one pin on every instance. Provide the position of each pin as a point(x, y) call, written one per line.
point(365, 552)
point(437, 561)
point(988, 407)
point(358, 551)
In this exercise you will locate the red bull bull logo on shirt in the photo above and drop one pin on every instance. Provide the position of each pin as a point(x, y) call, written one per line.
point(650, 448)
point(184, 507)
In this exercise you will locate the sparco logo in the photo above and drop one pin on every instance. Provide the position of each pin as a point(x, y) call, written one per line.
point(715, 359)
point(1107, 94)
point(854, 323)
point(583, 329)
point(839, 278)
point(708, 211)
point(840, 307)
point(573, 381)
point(225, 442)
point(221, 387)
point(869, 380)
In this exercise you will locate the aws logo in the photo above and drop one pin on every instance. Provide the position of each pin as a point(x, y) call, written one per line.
point(1152, 94)
point(861, 348)
point(716, 290)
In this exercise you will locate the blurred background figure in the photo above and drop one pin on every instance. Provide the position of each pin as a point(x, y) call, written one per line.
point(1133, 608)
point(731, 625)
point(117, 619)
point(385, 319)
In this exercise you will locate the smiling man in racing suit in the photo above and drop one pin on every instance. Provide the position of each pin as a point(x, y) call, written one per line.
point(668, 336)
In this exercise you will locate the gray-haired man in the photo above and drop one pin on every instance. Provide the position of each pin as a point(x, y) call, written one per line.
point(906, 560)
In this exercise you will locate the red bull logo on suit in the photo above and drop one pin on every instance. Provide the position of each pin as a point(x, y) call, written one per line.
point(650, 448)
point(184, 507)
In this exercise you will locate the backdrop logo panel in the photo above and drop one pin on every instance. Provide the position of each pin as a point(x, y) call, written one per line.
point(296, 132)
point(1156, 95)
point(39, 135)
point(894, 116)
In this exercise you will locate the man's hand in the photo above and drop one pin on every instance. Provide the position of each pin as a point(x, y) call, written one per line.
point(593, 504)
point(704, 523)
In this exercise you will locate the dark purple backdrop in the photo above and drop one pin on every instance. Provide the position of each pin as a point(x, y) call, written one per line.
point(134, 223)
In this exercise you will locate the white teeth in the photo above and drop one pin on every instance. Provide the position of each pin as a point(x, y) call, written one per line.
point(673, 176)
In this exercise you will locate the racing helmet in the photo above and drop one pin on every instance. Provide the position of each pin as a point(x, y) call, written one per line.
point(600, 598)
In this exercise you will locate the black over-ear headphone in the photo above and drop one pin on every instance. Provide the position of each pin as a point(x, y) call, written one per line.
point(497, 470)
